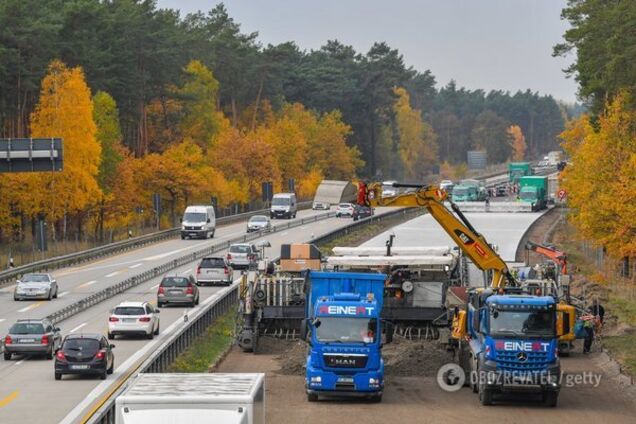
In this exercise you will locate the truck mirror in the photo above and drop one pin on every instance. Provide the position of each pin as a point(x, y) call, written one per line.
point(209, 220)
point(303, 330)
point(389, 332)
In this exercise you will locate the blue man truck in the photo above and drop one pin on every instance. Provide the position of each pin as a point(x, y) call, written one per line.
point(344, 331)
point(511, 344)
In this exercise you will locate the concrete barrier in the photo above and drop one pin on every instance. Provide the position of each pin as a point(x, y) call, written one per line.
point(494, 207)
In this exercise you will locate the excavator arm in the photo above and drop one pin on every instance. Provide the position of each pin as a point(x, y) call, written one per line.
point(473, 244)
point(556, 256)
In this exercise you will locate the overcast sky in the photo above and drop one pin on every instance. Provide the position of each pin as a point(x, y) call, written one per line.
point(488, 44)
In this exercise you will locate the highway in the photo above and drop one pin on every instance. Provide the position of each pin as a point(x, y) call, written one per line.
point(30, 394)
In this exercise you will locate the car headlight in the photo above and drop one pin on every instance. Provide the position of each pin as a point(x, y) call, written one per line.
point(316, 380)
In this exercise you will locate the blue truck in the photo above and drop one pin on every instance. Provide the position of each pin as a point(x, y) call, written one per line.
point(344, 330)
point(512, 345)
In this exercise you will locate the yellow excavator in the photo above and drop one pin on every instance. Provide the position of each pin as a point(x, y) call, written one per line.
point(500, 328)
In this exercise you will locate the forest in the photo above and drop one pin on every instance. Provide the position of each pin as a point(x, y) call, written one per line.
point(191, 107)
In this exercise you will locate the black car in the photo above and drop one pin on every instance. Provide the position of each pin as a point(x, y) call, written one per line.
point(85, 354)
point(360, 212)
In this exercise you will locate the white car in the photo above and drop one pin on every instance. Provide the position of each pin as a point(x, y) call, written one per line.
point(325, 206)
point(344, 209)
point(133, 318)
point(259, 223)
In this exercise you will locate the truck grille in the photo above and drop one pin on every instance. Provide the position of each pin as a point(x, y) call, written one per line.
point(509, 361)
point(345, 361)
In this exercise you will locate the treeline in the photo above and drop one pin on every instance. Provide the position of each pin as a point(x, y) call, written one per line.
point(191, 107)
point(601, 179)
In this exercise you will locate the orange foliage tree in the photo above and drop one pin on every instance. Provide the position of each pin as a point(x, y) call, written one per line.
point(517, 142)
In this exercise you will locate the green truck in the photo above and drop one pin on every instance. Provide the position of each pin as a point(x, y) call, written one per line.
point(469, 191)
point(516, 170)
point(534, 190)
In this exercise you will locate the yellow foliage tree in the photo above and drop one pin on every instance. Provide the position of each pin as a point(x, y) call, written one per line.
point(65, 110)
point(518, 143)
point(601, 182)
point(308, 185)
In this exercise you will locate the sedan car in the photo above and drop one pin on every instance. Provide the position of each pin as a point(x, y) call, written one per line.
point(133, 318)
point(360, 212)
point(178, 289)
point(259, 223)
point(212, 270)
point(242, 255)
point(344, 209)
point(85, 354)
point(325, 206)
point(35, 286)
point(32, 337)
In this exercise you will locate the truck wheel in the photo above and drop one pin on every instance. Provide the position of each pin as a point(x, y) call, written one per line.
point(550, 398)
point(312, 397)
point(485, 396)
point(376, 399)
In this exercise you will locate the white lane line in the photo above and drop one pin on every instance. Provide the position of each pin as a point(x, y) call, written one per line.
point(63, 294)
point(186, 271)
point(154, 287)
point(89, 283)
point(2, 319)
point(78, 327)
point(134, 266)
point(28, 308)
point(285, 233)
point(19, 362)
point(112, 274)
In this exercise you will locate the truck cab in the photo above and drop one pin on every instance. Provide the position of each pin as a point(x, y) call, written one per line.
point(513, 344)
point(533, 190)
point(516, 170)
point(345, 335)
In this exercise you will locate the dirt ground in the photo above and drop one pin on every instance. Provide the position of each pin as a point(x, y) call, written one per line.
point(413, 396)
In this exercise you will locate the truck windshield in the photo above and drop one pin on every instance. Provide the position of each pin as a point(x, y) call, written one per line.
point(518, 323)
point(280, 201)
point(527, 195)
point(460, 191)
point(195, 217)
point(346, 330)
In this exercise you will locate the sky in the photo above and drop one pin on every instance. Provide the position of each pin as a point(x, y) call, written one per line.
point(487, 44)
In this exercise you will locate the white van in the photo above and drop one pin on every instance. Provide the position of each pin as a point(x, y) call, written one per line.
point(284, 205)
point(198, 221)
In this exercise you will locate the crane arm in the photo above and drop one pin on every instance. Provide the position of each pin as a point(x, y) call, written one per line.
point(555, 255)
point(473, 244)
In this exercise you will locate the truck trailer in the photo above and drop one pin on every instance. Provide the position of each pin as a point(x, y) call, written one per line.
point(344, 330)
point(193, 398)
point(516, 170)
point(534, 190)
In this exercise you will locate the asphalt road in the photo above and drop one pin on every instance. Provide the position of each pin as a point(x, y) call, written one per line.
point(28, 391)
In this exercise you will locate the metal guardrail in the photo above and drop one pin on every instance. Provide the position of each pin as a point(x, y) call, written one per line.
point(164, 355)
point(57, 262)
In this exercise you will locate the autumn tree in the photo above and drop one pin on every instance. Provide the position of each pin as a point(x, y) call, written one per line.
point(65, 110)
point(518, 143)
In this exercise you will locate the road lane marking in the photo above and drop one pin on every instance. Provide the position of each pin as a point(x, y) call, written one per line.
point(89, 283)
point(78, 327)
point(112, 274)
point(32, 306)
point(19, 362)
point(134, 266)
point(62, 294)
point(2, 319)
point(186, 271)
point(154, 287)
point(285, 233)
point(7, 400)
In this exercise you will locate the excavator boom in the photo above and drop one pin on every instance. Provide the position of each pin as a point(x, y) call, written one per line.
point(558, 257)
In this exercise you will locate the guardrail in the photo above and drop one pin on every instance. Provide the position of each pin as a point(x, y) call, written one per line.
point(169, 350)
point(57, 262)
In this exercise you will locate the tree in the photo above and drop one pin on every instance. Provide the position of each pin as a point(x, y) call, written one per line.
point(65, 110)
point(518, 143)
point(108, 134)
point(490, 133)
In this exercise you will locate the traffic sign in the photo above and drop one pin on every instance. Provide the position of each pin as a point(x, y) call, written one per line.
point(562, 193)
point(31, 154)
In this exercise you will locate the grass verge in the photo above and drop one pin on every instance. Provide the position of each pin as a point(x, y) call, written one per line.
point(624, 350)
point(204, 351)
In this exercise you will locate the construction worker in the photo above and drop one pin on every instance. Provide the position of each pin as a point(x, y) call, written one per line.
point(588, 327)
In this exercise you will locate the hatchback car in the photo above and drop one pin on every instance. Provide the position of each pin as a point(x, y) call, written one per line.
point(259, 223)
point(85, 354)
point(35, 286)
point(32, 337)
point(344, 209)
point(360, 212)
point(242, 255)
point(212, 270)
point(133, 319)
point(178, 289)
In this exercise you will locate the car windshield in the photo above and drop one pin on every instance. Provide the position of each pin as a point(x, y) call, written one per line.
point(346, 330)
point(212, 263)
point(259, 218)
point(35, 278)
point(522, 323)
point(527, 195)
point(195, 217)
point(175, 282)
point(82, 345)
point(280, 201)
point(129, 310)
point(27, 328)
point(239, 249)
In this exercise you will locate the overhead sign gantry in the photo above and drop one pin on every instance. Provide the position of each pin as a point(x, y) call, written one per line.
point(31, 155)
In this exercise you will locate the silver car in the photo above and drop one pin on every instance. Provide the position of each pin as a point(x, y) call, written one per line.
point(213, 270)
point(259, 223)
point(32, 337)
point(178, 289)
point(242, 255)
point(35, 286)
